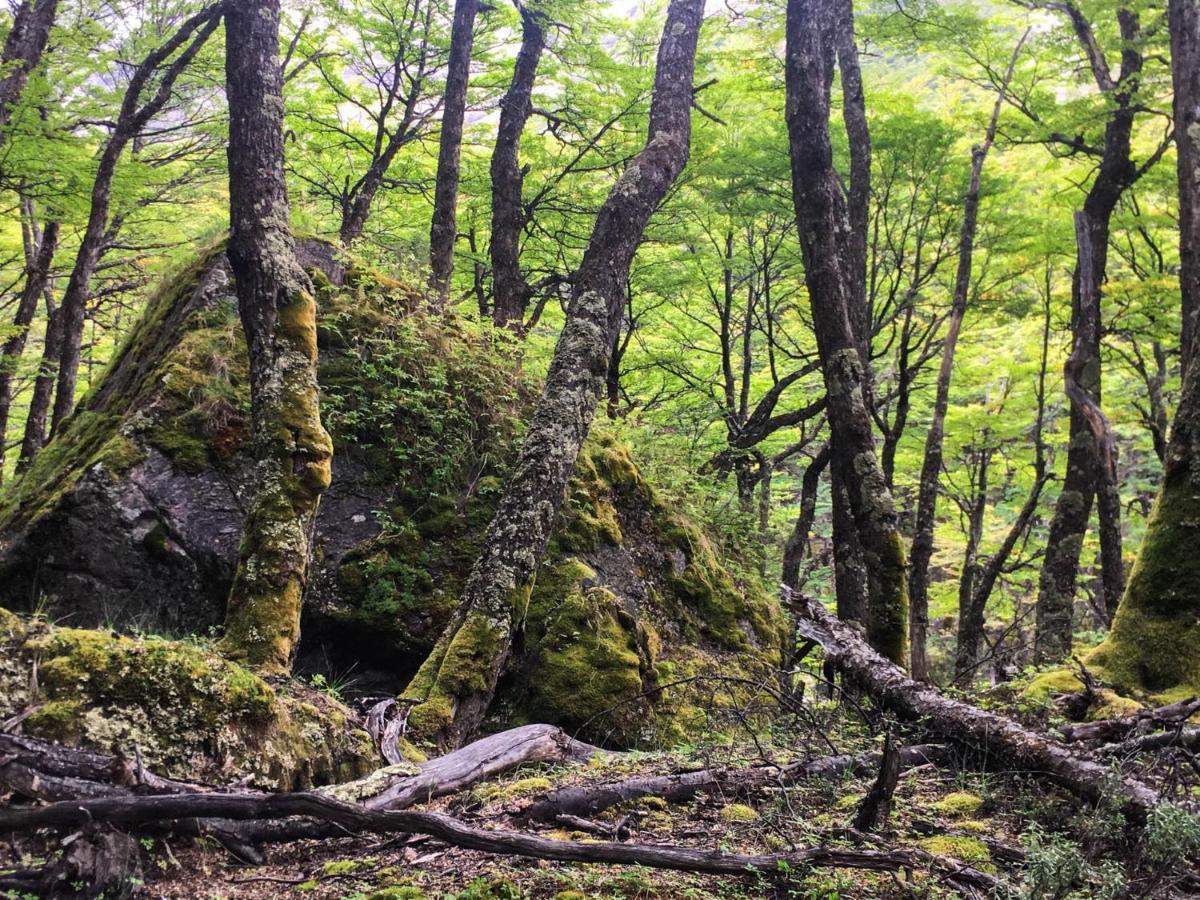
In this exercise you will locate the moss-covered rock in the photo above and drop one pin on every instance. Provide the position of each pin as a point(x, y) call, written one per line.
point(132, 517)
point(187, 710)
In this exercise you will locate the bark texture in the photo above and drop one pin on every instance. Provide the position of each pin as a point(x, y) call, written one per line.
point(278, 313)
point(822, 222)
point(131, 120)
point(931, 465)
point(455, 685)
point(37, 417)
point(510, 291)
point(23, 49)
point(1184, 18)
point(443, 229)
point(1086, 470)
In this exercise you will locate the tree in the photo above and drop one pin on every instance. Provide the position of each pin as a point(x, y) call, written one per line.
point(23, 49)
point(443, 229)
point(931, 468)
point(1152, 644)
point(454, 686)
point(510, 290)
point(1185, 77)
point(821, 219)
point(278, 313)
point(133, 117)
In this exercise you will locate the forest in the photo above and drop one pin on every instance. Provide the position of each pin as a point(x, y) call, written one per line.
point(561, 449)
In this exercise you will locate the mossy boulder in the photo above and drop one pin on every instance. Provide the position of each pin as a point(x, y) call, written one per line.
point(187, 710)
point(130, 519)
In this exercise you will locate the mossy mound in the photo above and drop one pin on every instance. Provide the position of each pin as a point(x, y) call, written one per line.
point(188, 711)
point(130, 519)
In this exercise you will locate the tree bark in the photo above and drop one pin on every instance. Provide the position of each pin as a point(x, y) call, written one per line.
point(23, 49)
point(454, 686)
point(38, 415)
point(1184, 18)
point(931, 466)
point(293, 452)
point(37, 276)
point(1088, 459)
point(820, 219)
point(443, 229)
point(510, 291)
point(131, 120)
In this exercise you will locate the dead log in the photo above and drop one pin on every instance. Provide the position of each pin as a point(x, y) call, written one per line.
point(137, 812)
point(587, 801)
point(1184, 738)
point(1146, 720)
point(992, 738)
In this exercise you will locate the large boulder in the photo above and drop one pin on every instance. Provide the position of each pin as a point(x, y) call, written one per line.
point(130, 519)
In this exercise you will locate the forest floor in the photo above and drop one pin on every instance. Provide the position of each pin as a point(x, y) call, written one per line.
point(952, 810)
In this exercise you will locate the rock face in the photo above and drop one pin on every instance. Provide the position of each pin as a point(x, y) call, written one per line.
point(130, 519)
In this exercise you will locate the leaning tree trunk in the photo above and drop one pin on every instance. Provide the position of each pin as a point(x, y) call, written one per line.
point(1154, 643)
point(510, 291)
point(819, 219)
point(37, 276)
point(455, 685)
point(1185, 73)
point(293, 451)
point(131, 120)
point(23, 49)
point(37, 417)
point(443, 229)
point(931, 467)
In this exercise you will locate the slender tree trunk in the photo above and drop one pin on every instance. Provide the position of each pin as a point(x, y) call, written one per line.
point(969, 578)
point(931, 467)
point(37, 276)
point(443, 229)
point(1090, 464)
point(293, 451)
point(1184, 17)
point(796, 549)
point(455, 685)
point(133, 117)
point(819, 219)
point(23, 49)
point(38, 416)
point(510, 292)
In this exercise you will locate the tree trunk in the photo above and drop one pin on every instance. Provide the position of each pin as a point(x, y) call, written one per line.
point(1153, 641)
point(37, 276)
point(455, 685)
point(443, 229)
point(130, 122)
point(292, 450)
point(510, 292)
point(23, 49)
point(820, 218)
point(931, 466)
point(1184, 16)
point(38, 415)
point(1090, 465)
point(796, 549)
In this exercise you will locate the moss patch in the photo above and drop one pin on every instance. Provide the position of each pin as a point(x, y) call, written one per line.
point(189, 712)
point(959, 804)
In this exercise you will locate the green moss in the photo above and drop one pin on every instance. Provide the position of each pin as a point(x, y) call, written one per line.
point(737, 812)
point(187, 710)
point(1154, 643)
point(1049, 684)
point(969, 850)
point(960, 803)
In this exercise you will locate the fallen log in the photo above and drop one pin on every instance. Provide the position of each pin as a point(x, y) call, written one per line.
point(1185, 738)
point(586, 801)
point(135, 812)
point(1112, 730)
point(992, 738)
